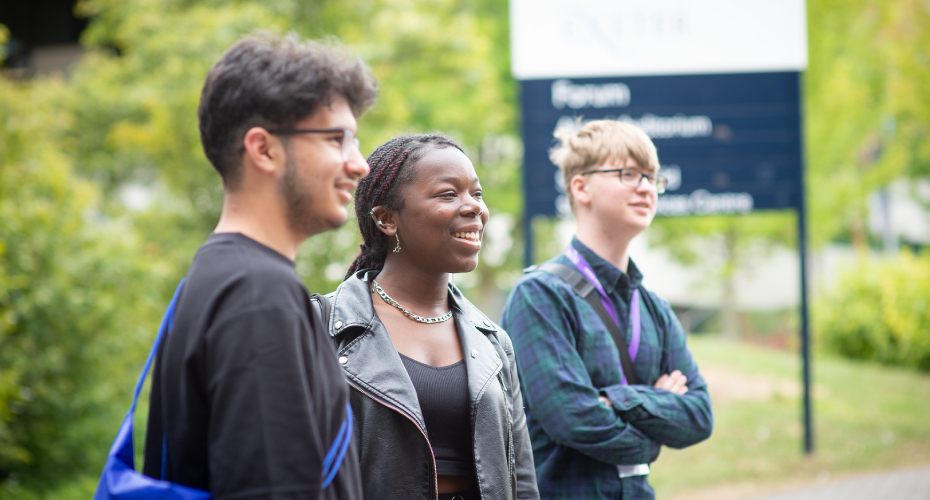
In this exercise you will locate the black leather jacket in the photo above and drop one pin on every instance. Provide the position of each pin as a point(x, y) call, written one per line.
point(396, 458)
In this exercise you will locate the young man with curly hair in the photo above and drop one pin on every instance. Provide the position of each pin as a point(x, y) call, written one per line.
point(247, 397)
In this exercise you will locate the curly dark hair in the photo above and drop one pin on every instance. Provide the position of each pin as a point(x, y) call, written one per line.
point(267, 80)
point(392, 166)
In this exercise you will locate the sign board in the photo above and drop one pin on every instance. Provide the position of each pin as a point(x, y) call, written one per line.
point(714, 83)
point(590, 38)
point(728, 143)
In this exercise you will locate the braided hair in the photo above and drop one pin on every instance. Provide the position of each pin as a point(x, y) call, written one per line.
point(392, 165)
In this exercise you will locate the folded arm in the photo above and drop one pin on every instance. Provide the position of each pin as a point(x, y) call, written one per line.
point(673, 415)
point(556, 385)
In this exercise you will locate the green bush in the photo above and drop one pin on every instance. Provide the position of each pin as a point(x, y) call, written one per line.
point(880, 311)
point(79, 302)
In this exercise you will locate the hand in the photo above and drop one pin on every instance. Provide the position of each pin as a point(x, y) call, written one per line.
point(673, 382)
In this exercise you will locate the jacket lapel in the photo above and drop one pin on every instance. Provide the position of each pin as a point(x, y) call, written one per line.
point(372, 362)
point(482, 361)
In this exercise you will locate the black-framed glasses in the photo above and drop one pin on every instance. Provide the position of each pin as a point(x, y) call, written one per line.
point(633, 178)
point(349, 141)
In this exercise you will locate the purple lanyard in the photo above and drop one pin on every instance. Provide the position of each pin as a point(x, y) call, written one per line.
point(582, 265)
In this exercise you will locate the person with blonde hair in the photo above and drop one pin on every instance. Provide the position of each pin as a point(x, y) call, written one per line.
point(605, 371)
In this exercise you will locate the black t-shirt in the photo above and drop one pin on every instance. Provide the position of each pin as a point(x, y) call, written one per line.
point(249, 396)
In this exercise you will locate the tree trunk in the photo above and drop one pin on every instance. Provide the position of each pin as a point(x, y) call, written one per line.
point(729, 306)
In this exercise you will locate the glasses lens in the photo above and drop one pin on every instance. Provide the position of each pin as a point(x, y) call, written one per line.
point(661, 184)
point(349, 143)
point(630, 177)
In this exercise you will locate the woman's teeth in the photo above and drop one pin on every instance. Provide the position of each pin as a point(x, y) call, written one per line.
point(467, 236)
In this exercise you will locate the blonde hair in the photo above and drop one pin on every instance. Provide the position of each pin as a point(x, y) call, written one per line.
point(600, 142)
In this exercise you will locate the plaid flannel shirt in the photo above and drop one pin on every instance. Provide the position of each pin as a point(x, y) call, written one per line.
point(567, 358)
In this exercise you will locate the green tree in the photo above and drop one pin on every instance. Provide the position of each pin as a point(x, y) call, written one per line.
point(867, 113)
point(725, 246)
point(72, 300)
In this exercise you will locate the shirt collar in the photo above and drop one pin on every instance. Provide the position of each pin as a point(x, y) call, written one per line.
point(610, 276)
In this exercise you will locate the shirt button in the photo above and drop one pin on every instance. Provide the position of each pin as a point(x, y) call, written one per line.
point(626, 402)
point(474, 353)
point(338, 325)
point(343, 360)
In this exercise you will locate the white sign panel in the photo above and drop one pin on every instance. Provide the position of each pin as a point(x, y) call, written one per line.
point(591, 38)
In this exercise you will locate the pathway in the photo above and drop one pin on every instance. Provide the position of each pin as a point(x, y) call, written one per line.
point(905, 484)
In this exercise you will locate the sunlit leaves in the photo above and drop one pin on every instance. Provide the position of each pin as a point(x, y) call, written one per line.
point(72, 298)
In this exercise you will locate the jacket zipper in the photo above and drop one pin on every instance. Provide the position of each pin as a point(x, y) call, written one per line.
point(510, 457)
point(422, 432)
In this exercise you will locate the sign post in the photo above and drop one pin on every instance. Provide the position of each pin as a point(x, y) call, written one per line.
point(715, 84)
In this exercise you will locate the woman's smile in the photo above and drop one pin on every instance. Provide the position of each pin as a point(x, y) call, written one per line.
point(472, 237)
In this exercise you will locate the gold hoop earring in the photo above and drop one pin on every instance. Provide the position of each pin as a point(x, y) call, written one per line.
point(397, 248)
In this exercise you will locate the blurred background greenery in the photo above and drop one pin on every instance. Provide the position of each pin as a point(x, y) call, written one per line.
point(105, 195)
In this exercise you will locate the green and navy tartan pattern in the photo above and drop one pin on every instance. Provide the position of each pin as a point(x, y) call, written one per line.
point(567, 359)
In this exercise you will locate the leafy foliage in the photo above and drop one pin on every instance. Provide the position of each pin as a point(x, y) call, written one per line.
point(867, 113)
point(71, 299)
point(725, 246)
point(881, 312)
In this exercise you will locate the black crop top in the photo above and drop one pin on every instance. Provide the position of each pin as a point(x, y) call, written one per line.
point(444, 400)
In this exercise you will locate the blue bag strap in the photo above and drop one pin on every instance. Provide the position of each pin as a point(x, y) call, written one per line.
point(331, 462)
point(163, 330)
point(337, 451)
point(122, 447)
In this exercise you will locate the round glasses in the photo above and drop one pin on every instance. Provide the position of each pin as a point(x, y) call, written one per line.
point(349, 141)
point(633, 178)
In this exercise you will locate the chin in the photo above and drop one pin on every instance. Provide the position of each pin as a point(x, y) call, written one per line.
point(460, 267)
point(640, 222)
point(468, 267)
point(336, 218)
point(323, 223)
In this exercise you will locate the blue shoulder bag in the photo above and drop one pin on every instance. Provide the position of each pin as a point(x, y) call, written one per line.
point(121, 481)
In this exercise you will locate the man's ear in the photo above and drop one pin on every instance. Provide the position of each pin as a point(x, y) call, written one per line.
point(387, 219)
point(262, 150)
point(581, 189)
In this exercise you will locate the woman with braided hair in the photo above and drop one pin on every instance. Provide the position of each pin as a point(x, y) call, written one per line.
point(434, 388)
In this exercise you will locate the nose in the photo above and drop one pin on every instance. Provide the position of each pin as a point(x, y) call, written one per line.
point(473, 207)
point(356, 166)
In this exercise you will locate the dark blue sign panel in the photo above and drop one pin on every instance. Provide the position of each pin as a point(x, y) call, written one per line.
point(729, 143)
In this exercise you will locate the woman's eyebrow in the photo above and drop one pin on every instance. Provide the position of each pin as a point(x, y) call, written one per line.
point(450, 179)
point(454, 180)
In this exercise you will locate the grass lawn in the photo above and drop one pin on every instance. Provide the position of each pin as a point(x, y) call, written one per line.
point(866, 417)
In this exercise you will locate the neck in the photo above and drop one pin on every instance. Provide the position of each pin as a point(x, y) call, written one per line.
point(261, 219)
point(609, 244)
point(411, 286)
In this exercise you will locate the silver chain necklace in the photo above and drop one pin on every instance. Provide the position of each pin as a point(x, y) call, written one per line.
point(387, 298)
